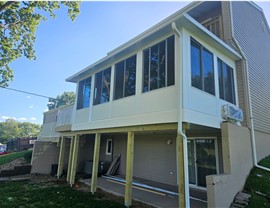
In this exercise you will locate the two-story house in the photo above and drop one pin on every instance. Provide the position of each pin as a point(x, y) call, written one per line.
point(182, 104)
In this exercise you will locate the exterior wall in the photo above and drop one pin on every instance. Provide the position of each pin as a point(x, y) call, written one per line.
point(208, 112)
point(253, 34)
point(262, 145)
point(48, 132)
point(242, 95)
point(50, 116)
point(154, 159)
point(120, 147)
point(237, 160)
point(44, 155)
point(86, 150)
point(160, 105)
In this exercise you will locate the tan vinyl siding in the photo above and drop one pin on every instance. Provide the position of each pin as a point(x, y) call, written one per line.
point(155, 159)
point(241, 92)
point(120, 147)
point(251, 31)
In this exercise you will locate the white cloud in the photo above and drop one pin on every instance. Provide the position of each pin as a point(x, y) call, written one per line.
point(28, 97)
point(7, 117)
point(22, 119)
point(31, 106)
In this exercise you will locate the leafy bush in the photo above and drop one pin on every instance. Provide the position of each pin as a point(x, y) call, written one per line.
point(28, 156)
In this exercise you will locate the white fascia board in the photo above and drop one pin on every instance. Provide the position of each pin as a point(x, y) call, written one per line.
point(218, 42)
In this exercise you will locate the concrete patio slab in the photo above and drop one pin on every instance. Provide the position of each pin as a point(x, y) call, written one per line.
point(150, 197)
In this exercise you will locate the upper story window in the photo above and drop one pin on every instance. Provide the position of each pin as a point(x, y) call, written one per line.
point(102, 86)
point(125, 78)
point(158, 65)
point(214, 25)
point(226, 82)
point(202, 68)
point(84, 93)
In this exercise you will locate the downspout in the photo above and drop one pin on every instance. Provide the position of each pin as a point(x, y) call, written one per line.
point(251, 123)
point(180, 121)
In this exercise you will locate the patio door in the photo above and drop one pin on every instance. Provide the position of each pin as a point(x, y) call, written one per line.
point(202, 160)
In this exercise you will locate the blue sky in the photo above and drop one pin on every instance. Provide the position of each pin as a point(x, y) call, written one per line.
point(64, 47)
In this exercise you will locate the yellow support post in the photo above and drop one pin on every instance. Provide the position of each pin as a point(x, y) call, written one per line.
point(61, 157)
point(180, 171)
point(74, 160)
point(95, 163)
point(70, 158)
point(129, 169)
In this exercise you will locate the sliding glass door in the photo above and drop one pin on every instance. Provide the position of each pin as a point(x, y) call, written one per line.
point(202, 160)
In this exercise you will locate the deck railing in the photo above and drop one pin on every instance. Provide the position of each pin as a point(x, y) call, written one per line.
point(64, 115)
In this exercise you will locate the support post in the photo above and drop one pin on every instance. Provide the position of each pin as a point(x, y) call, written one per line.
point(95, 163)
point(70, 158)
point(61, 156)
point(129, 169)
point(74, 160)
point(180, 171)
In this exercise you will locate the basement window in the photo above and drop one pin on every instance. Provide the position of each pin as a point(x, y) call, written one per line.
point(109, 147)
point(226, 82)
point(84, 92)
point(102, 86)
point(202, 68)
point(158, 65)
point(125, 78)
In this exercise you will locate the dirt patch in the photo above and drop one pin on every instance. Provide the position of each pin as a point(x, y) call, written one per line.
point(15, 163)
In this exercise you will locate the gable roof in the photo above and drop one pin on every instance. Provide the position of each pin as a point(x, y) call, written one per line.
point(162, 28)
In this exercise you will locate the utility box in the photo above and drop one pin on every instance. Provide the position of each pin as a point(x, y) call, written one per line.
point(102, 167)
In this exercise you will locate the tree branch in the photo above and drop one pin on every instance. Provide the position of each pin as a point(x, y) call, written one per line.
point(7, 4)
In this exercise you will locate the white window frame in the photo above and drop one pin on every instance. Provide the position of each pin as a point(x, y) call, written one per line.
point(216, 154)
point(107, 145)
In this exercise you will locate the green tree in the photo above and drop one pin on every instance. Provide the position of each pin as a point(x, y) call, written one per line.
point(64, 99)
point(28, 129)
point(13, 129)
point(18, 24)
point(9, 130)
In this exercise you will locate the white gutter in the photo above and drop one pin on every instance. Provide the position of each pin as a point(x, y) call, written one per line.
point(251, 123)
point(180, 116)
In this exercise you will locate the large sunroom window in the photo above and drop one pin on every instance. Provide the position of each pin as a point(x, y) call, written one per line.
point(226, 82)
point(84, 93)
point(158, 65)
point(202, 68)
point(102, 86)
point(125, 78)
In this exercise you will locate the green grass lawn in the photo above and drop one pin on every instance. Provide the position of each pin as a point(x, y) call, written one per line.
point(30, 194)
point(13, 156)
point(259, 181)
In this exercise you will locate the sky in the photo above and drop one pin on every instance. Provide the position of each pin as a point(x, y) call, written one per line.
point(64, 47)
